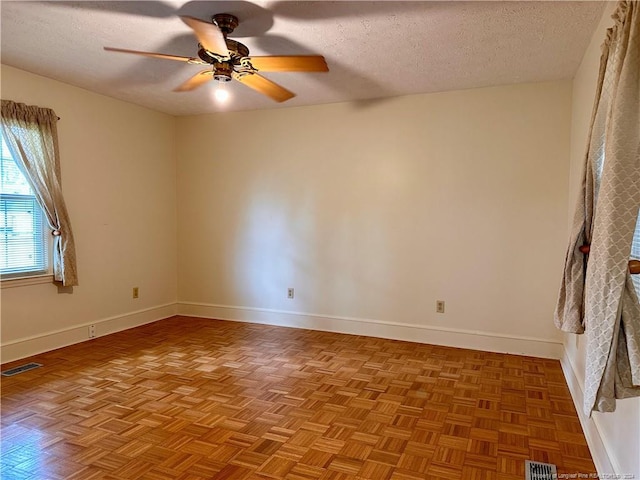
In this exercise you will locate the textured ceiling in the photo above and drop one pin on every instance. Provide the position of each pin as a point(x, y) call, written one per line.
point(374, 49)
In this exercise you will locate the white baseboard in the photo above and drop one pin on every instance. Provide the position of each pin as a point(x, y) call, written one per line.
point(592, 434)
point(492, 342)
point(25, 347)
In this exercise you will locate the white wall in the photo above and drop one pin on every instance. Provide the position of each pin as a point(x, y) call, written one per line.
point(618, 431)
point(372, 213)
point(118, 169)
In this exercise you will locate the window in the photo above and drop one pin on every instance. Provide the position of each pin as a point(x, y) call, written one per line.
point(23, 243)
point(635, 254)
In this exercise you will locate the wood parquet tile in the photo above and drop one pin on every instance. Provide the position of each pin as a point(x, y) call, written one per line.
point(195, 399)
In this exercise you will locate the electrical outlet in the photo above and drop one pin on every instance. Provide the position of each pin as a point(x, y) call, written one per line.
point(439, 306)
point(290, 292)
point(92, 331)
point(136, 292)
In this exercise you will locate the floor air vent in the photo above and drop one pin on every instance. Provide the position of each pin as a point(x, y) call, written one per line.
point(540, 471)
point(20, 369)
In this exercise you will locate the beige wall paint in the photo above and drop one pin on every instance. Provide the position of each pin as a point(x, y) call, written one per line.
point(118, 167)
point(376, 211)
point(619, 431)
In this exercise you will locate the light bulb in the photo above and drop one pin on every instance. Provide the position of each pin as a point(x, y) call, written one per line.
point(221, 94)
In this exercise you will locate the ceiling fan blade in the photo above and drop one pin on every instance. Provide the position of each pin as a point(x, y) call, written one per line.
point(209, 36)
point(290, 63)
point(194, 82)
point(264, 86)
point(156, 55)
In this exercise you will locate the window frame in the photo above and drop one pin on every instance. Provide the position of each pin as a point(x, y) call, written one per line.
point(29, 277)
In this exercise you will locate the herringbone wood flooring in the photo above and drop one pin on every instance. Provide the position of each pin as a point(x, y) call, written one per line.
point(190, 399)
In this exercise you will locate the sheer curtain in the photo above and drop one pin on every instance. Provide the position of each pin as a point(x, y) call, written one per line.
point(597, 295)
point(31, 135)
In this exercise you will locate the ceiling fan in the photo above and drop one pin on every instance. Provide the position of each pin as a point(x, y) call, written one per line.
point(230, 59)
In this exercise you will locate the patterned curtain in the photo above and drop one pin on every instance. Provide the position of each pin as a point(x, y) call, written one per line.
point(597, 295)
point(32, 137)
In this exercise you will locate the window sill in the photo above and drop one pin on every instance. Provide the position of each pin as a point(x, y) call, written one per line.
point(25, 281)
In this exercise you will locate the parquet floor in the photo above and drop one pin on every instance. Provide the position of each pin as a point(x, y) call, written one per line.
point(193, 399)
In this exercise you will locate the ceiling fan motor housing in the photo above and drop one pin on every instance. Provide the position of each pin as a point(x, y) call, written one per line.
point(237, 51)
point(223, 68)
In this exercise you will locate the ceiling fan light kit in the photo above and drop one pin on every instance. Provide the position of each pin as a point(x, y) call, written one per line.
point(229, 59)
point(221, 94)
